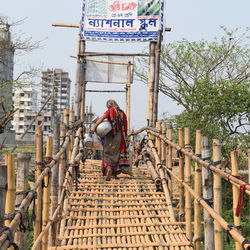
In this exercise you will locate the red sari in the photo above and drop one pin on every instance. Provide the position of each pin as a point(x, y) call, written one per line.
point(115, 155)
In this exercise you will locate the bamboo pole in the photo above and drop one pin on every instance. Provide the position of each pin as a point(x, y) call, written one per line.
point(46, 195)
point(128, 93)
point(39, 160)
point(236, 193)
point(163, 144)
point(164, 181)
point(62, 165)
point(151, 81)
point(66, 117)
point(218, 233)
point(233, 232)
point(181, 175)
point(226, 176)
point(78, 108)
point(11, 191)
point(54, 184)
point(23, 160)
point(3, 189)
point(207, 194)
point(187, 178)
point(157, 139)
point(170, 156)
point(197, 189)
point(4, 241)
point(157, 77)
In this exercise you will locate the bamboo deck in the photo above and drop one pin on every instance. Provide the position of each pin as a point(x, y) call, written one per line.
point(125, 213)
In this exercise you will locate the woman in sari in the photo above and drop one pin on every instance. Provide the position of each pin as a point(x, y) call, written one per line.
point(115, 156)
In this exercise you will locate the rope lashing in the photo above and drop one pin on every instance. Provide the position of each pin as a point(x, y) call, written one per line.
point(229, 228)
point(244, 243)
point(10, 237)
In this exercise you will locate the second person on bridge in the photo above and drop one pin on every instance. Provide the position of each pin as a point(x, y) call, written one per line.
point(115, 155)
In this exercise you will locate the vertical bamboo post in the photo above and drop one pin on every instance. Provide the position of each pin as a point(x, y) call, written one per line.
point(78, 108)
point(54, 184)
point(207, 194)
point(157, 76)
point(218, 232)
point(62, 164)
point(236, 193)
point(157, 139)
point(151, 82)
point(39, 160)
point(11, 191)
point(46, 194)
point(66, 117)
point(71, 117)
point(163, 145)
point(187, 178)
point(197, 189)
point(181, 175)
point(23, 160)
point(71, 121)
point(128, 93)
point(169, 157)
point(82, 80)
point(3, 189)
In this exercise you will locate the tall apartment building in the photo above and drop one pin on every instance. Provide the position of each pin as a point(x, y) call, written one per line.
point(6, 78)
point(25, 100)
point(55, 82)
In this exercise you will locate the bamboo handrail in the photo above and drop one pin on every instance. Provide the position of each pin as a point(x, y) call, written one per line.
point(75, 159)
point(228, 177)
point(232, 231)
point(4, 242)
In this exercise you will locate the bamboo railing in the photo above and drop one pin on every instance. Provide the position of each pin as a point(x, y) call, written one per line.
point(177, 188)
point(43, 170)
point(186, 155)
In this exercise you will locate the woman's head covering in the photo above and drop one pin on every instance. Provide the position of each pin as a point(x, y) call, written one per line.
point(112, 103)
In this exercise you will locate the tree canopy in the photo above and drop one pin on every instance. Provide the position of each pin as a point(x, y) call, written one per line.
point(210, 79)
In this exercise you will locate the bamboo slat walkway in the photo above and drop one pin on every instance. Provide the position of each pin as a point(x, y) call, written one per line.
point(124, 213)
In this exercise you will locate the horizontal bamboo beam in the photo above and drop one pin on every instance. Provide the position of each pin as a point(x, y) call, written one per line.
point(170, 223)
point(117, 204)
point(101, 61)
point(118, 198)
point(118, 193)
point(125, 234)
point(105, 91)
point(130, 216)
point(110, 54)
point(66, 25)
point(126, 245)
point(116, 209)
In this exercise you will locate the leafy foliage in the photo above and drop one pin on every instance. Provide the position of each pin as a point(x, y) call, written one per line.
point(211, 81)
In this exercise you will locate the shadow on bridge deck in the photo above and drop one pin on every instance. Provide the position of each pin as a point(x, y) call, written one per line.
point(124, 213)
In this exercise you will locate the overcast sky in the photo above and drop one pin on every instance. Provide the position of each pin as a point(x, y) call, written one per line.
point(193, 19)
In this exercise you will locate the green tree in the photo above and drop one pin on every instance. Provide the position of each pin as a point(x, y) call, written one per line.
point(211, 81)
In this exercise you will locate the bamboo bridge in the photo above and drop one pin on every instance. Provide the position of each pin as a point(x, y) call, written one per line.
point(161, 206)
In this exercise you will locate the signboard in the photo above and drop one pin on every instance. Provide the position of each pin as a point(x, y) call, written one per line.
point(100, 72)
point(122, 20)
